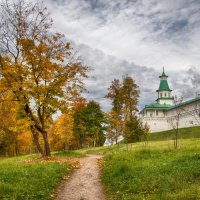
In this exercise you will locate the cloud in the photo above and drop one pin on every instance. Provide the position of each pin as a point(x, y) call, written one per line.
point(184, 83)
point(150, 33)
point(135, 37)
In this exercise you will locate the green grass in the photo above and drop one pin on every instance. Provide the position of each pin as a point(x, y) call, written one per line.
point(131, 171)
point(184, 133)
point(22, 180)
point(69, 153)
point(154, 172)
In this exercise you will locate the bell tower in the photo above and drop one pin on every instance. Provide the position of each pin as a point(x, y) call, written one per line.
point(164, 92)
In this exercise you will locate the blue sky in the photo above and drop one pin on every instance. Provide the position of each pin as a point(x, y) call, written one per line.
point(136, 37)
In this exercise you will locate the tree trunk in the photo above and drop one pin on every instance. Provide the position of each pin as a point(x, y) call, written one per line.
point(36, 141)
point(47, 151)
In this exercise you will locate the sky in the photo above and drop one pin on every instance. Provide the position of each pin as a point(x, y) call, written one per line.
point(135, 37)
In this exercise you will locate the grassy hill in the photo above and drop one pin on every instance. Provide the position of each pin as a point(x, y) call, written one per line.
point(129, 172)
point(184, 133)
point(156, 171)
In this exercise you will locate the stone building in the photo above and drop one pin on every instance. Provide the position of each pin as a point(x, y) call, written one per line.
point(166, 113)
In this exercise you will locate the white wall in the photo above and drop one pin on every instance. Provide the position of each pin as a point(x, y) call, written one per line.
point(188, 117)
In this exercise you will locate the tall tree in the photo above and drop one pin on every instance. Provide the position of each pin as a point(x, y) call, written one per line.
point(133, 128)
point(37, 65)
point(130, 95)
point(115, 126)
point(124, 111)
point(114, 93)
point(114, 117)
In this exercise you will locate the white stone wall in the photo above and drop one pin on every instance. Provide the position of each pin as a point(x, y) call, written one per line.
point(186, 116)
point(166, 101)
point(156, 124)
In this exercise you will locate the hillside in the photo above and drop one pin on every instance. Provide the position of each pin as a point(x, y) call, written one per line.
point(184, 133)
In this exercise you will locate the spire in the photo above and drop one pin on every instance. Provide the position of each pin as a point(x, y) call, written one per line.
point(163, 73)
point(163, 82)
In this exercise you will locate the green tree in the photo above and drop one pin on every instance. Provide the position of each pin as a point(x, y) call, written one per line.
point(89, 125)
point(133, 130)
point(79, 126)
point(94, 122)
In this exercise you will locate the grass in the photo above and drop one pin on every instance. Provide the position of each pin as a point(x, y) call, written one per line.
point(130, 172)
point(23, 180)
point(184, 133)
point(69, 153)
point(154, 172)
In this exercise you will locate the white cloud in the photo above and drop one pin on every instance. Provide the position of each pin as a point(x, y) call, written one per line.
point(118, 37)
point(150, 33)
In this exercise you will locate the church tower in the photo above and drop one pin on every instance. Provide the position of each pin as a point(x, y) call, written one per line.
point(164, 92)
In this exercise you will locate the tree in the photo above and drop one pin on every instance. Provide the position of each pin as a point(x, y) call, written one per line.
point(175, 123)
point(133, 128)
point(124, 100)
point(114, 117)
point(37, 66)
point(94, 122)
point(130, 95)
point(115, 126)
point(89, 125)
point(62, 136)
point(79, 127)
point(114, 93)
point(146, 133)
point(14, 135)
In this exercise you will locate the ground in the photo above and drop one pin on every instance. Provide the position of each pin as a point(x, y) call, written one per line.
point(84, 183)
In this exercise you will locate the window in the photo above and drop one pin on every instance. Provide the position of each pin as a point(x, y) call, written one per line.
point(151, 115)
point(161, 95)
point(156, 113)
point(165, 94)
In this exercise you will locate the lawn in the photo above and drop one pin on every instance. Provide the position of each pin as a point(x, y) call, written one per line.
point(23, 179)
point(129, 172)
point(184, 133)
point(154, 172)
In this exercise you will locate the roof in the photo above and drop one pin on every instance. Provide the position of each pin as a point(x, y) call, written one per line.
point(185, 102)
point(163, 73)
point(158, 106)
point(170, 107)
point(164, 86)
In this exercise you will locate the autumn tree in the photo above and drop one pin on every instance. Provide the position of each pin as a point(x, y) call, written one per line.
point(130, 95)
point(133, 128)
point(115, 126)
point(114, 117)
point(62, 136)
point(14, 139)
point(37, 66)
point(114, 93)
point(124, 100)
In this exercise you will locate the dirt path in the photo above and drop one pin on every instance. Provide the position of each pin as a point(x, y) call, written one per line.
point(84, 183)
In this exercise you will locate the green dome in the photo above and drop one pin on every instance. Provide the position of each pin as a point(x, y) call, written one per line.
point(164, 86)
